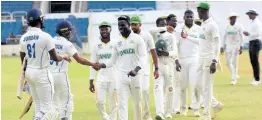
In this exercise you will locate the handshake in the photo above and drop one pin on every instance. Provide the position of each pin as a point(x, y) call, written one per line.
point(97, 66)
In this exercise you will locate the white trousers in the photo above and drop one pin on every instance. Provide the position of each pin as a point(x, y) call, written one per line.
point(177, 89)
point(204, 85)
point(145, 94)
point(63, 98)
point(188, 69)
point(103, 88)
point(232, 55)
point(41, 85)
point(163, 89)
point(127, 86)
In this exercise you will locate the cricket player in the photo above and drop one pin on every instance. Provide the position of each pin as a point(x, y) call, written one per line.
point(233, 43)
point(150, 45)
point(171, 25)
point(188, 56)
point(129, 52)
point(106, 80)
point(38, 47)
point(63, 98)
point(208, 58)
point(163, 86)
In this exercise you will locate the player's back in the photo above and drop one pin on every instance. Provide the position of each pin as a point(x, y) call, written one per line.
point(63, 47)
point(36, 44)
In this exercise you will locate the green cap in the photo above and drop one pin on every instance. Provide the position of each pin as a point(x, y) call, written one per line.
point(204, 5)
point(104, 24)
point(135, 19)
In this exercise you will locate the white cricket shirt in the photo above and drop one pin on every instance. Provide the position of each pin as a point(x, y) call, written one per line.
point(209, 46)
point(36, 44)
point(233, 35)
point(171, 47)
point(63, 47)
point(189, 47)
point(129, 53)
point(149, 42)
point(102, 53)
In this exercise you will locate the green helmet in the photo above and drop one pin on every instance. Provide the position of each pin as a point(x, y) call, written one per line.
point(160, 45)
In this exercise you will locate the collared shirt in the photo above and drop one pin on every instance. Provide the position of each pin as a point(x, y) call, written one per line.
point(233, 35)
point(102, 53)
point(129, 53)
point(210, 43)
point(255, 30)
point(189, 47)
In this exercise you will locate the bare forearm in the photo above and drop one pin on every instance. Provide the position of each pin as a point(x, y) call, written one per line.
point(84, 61)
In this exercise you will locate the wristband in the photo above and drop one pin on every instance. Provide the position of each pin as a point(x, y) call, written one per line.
point(103, 65)
point(137, 68)
point(156, 68)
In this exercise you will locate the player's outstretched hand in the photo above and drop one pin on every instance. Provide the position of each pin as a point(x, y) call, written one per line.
point(213, 68)
point(164, 52)
point(178, 66)
point(156, 74)
point(240, 50)
point(184, 34)
point(97, 66)
point(222, 51)
point(66, 58)
point(92, 86)
point(132, 73)
point(246, 33)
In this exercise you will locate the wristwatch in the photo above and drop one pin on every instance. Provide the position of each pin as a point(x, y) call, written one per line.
point(156, 68)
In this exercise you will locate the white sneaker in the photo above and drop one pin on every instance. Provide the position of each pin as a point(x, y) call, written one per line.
point(196, 113)
point(205, 117)
point(217, 109)
point(255, 83)
point(168, 116)
point(233, 82)
point(160, 116)
point(184, 111)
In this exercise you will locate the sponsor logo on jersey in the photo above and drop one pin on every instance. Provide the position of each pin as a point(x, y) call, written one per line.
point(127, 51)
point(105, 56)
point(119, 43)
point(100, 46)
point(232, 33)
point(202, 36)
point(59, 47)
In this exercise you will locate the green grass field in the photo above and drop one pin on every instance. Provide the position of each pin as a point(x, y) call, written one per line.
point(242, 102)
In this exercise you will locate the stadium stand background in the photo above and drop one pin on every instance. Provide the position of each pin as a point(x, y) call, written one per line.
point(79, 13)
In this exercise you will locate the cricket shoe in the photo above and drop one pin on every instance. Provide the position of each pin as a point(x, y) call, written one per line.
point(168, 116)
point(160, 116)
point(255, 83)
point(196, 113)
point(183, 111)
point(205, 117)
point(217, 109)
point(233, 82)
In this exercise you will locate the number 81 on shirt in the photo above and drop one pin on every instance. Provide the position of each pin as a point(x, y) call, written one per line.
point(31, 50)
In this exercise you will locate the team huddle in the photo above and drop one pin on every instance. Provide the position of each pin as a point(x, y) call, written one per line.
point(183, 58)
